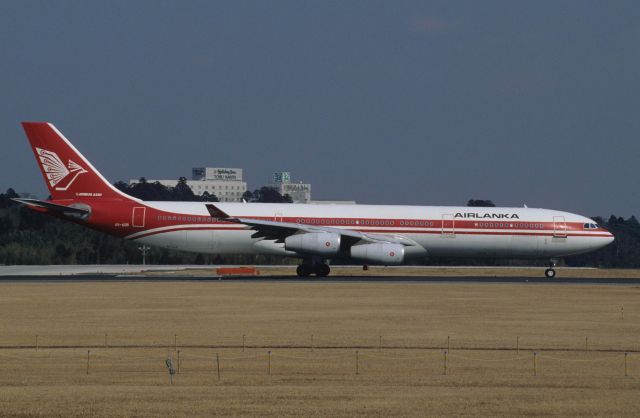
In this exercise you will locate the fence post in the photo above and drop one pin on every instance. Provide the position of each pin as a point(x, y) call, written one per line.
point(625, 365)
point(535, 368)
point(622, 312)
point(311, 342)
point(170, 369)
point(444, 372)
point(175, 342)
point(269, 353)
point(88, 357)
point(448, 343)
point(243, 343)
point(517, 345)
point(357, 365)
point(36, 342)
point(218, 365)
point(178, 361)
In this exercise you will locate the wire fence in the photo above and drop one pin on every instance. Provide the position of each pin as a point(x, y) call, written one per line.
point(244, 342)
point(219, 364)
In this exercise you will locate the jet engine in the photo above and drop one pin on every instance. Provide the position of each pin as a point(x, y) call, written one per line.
point(317, 243)
point(379, 253)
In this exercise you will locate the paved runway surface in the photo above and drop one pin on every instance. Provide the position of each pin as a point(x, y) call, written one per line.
point(330, 279)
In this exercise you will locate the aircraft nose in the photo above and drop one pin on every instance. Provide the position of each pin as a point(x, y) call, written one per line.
point(605, 239)
point(610, 238)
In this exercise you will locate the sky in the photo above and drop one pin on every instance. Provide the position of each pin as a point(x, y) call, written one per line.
point(381, 102)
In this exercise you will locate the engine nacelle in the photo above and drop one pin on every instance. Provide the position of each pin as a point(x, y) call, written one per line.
point(317, 243)
point(379, 253)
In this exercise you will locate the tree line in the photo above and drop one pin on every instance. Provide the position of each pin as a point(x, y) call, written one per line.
point(181, 192)
point(28, 237)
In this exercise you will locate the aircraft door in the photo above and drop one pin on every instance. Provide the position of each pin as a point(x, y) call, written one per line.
point(137, 218)
point(448, 225)
point(559, 227)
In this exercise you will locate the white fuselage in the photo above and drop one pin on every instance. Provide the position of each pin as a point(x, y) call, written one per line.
point(439, 230)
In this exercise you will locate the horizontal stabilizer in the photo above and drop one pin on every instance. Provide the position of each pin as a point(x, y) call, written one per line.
point(43, 204)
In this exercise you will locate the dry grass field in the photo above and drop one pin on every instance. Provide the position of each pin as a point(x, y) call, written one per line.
point(313, 330)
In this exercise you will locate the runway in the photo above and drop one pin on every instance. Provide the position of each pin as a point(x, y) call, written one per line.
point(331, 279)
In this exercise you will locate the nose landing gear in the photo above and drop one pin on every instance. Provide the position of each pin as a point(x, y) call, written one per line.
point(550, 273)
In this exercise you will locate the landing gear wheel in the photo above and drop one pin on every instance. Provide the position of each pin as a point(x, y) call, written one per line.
point(303, 270)
point(322, 270)
point(550, 273)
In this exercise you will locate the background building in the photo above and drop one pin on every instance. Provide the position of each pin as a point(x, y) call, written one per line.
point(225, 183)
point(299, 192)
point(213, 173)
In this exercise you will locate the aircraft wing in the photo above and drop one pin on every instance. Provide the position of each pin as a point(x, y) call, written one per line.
point(280, 230)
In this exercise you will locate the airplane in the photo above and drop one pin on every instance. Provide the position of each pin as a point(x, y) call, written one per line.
point(315, 234)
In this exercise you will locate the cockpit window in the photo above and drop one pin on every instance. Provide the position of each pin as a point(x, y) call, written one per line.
point(590, 226)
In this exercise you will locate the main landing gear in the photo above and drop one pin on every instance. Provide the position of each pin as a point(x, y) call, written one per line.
point(550, 273)
point(319, 269)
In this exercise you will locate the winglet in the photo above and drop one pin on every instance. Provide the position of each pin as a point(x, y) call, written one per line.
point(215, 212)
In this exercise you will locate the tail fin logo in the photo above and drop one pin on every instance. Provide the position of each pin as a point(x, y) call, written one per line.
point(59, 175)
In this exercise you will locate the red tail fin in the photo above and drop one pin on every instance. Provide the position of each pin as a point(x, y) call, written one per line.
point(67, 173)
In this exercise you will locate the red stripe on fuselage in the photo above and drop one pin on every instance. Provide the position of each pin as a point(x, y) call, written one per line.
point(353, 223)
point(387, 231)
